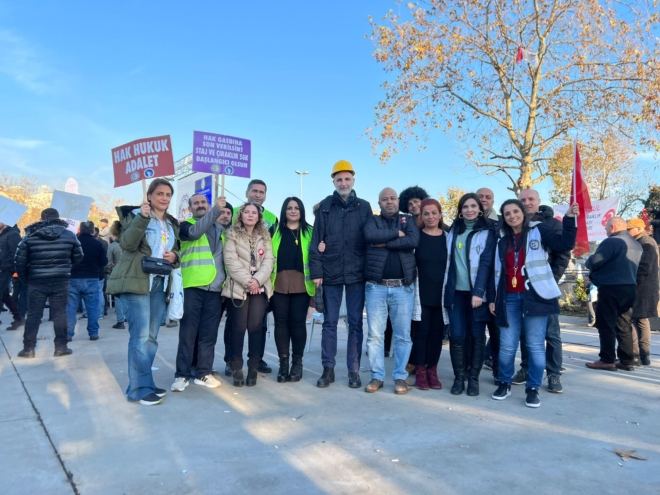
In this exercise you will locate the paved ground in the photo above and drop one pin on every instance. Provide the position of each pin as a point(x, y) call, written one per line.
point(69, 415)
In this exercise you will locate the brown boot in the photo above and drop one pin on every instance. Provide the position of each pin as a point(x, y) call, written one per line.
point(432, 377)
point(420, 378)
point(599, 365)
point(410, 368)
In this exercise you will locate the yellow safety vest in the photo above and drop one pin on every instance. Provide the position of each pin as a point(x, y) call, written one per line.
point(197, 263)
point(305, 239)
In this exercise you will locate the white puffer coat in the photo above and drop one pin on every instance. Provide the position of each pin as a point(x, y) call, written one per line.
point(237, 262)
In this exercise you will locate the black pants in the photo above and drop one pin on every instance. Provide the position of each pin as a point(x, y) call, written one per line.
point(641, 333)
point(58, 294)
point(198, 329)
point(248, 317)
point(389, 331)
point(290, 312)
point(227, 331)
point(494, 342)
point(614, 322)
point(5, 284)
point(427, 340)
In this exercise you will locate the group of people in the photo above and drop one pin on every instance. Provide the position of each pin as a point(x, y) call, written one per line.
point(415, 276)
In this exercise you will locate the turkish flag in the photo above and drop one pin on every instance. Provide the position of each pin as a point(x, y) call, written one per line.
point(580, 195)
point(520, 55)
point(647, 221)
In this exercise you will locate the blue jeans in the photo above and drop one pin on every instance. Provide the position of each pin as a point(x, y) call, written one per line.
point(144, 313)
point(535, 329)
point(119, 310)
point(86, 289)
point(398, 301)
point(101, 306)
point(462, 320)
point(332, 296)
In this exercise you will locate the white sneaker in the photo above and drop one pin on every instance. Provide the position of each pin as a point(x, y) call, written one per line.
point(180, 384)
point(208, 381)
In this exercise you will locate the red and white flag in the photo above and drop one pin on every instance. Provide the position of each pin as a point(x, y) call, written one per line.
point(520, 56)
point(647, 221)
point(580, 195)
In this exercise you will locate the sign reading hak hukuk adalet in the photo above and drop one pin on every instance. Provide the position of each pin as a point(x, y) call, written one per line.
point(143, 159)
point(221, 155)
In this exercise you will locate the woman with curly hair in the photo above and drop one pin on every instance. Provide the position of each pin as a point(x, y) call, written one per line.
point(248, 257)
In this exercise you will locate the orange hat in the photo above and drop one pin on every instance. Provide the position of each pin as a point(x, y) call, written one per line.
point(636, 223)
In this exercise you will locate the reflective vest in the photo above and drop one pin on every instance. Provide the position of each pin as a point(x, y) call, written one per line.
point(197, 263)
point(305, 239)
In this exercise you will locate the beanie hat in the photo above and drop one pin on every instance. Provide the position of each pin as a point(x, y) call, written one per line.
point(636, 223)
point(229, 206)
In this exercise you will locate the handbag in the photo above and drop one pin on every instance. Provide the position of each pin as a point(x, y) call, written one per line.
point(156, 266)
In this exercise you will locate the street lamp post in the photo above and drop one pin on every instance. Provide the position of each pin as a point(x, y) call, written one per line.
point(301, 177)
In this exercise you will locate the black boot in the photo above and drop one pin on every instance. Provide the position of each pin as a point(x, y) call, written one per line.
point(457, 354)
point(239, 381)
point(283, 373)
point(478, 355)
point(327, 378)
point(251, 380)
point(296, 369)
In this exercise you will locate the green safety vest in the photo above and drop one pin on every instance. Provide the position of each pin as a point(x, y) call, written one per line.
point(270, 219)
point(197, 263)
point(305, 239)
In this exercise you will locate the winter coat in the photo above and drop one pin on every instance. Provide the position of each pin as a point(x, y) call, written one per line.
point(533, 303)
point(94, 260)
point(646, 303)
point(114, 254)
point(341, 225)
point(378, 231)
point(237, 263)
point(9, 240)
point(47, 252)
point(655, 223)
point(558, 260)
point(615, 261)
point(127, 275)
point(483, 283)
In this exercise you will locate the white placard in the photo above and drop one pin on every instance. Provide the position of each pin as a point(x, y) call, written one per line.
point(601, 212)
point(72, 206)
point(10, 211)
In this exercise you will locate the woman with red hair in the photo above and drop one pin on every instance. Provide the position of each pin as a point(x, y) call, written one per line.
point(431, 257)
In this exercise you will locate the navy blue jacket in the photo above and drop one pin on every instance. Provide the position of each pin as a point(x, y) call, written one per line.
point(377, 231)
point(481, 285)
point(95, 258)
point(616, 260)
point(341, 225)
point(533, 304)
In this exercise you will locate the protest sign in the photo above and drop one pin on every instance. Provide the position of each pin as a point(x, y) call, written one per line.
point(221, 155)
point(72, 187)
point(71, 206)
point(204, 186)
point(10, 211)
point(597, 216)
point(143, 159)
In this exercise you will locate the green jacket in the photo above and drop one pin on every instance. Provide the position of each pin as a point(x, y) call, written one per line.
point(127, 275)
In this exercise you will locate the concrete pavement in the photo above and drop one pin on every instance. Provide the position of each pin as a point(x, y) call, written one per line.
point(279, 438)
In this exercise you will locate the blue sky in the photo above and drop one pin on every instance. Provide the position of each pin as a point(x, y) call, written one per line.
point(297, 78)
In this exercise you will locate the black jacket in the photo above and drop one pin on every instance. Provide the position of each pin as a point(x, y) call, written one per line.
point(615, 261)
point(655, 223)
point(533, 304)
point(9, 239)
point(483, 284)
point(47, 252)
point(646, 302)
point(377, 231)
point(94, 260)
point(341, 225)
point(558, 259)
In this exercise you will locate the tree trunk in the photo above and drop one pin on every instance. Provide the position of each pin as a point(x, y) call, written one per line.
point(525, 179)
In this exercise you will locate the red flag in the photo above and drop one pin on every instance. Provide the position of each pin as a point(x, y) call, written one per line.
point(520, 55)
point(580, 195)
point(647, 221)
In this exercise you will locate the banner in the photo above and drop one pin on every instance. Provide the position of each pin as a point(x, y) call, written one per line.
point(143, 159)
point(222, 155)
point(597, 216)
point(71, 206)
point(10, 211)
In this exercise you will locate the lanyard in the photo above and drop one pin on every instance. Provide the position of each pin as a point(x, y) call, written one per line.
point(516, 256)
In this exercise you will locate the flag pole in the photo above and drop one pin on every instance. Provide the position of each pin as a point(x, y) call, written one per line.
point(575, 178)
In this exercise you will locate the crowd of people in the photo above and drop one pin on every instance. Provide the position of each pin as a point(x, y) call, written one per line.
point(418, 279)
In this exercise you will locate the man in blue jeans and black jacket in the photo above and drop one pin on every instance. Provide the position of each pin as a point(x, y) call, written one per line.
point(340, 224)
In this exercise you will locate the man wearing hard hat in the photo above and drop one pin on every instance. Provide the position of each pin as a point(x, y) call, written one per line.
point(340, 224)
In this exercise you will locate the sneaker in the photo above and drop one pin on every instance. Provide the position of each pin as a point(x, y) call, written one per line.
point(502, 392)
point(119, 325)
point(172, 324)
point(15, 325)
point(554, 384)
point(160, 392)
point(26, 353)
point(532, 399)
point(520, 377)
point(151, 400)
point(83, 317)
point(208, 381)
point(180, 384)
point(562, 370)
point(228, 370)
point(64, 351)
point(93, 337)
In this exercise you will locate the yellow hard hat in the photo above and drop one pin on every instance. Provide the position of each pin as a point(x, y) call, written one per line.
point(342, 166)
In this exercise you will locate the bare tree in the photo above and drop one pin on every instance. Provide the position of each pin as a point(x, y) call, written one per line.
point(586, 64)
point(449, 203)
